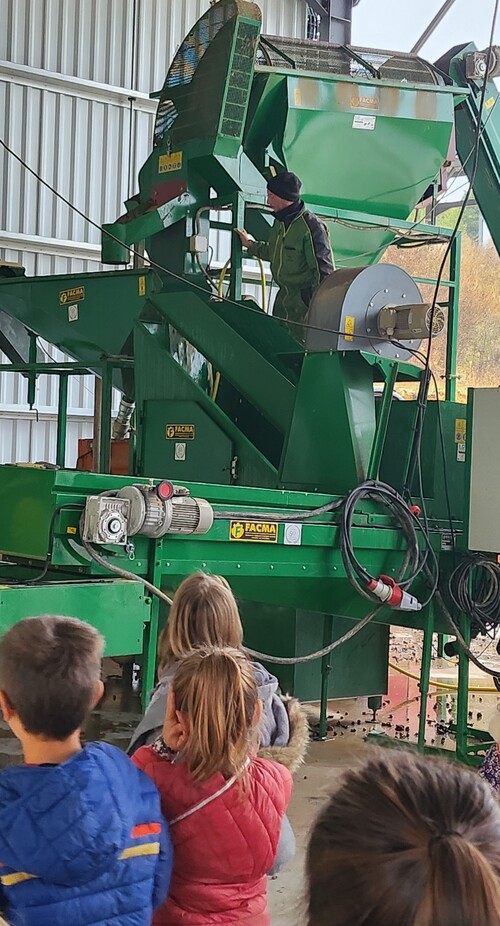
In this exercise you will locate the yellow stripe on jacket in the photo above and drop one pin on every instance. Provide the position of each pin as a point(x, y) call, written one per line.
point(148, 848)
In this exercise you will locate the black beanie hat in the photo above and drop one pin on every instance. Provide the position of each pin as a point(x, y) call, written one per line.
point(285, 185)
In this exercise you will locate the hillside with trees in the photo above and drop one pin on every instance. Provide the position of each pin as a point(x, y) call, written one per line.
point(478, 361)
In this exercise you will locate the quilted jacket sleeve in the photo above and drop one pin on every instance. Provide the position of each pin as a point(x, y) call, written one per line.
point(163, 869)
point(142, 760)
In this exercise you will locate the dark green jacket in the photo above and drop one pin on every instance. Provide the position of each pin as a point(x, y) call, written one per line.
point(301, 258)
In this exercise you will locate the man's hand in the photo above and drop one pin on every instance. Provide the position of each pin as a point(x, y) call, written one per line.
point(174, 729)
point(244, 237)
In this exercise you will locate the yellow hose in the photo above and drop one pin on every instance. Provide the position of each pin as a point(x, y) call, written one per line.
point(222, 277)
point(216, 386)
point(263, 284)
point(441, 684)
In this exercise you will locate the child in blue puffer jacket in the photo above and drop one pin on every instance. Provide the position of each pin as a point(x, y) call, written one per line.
point(82, 838)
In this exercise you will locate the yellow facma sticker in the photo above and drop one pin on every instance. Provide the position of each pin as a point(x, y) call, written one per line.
point(180, 432)
point(364, 102)
point(260, 531)
point(169, 162)
point(72, 295)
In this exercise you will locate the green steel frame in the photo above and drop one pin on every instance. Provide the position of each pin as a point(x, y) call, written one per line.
point(254, 118)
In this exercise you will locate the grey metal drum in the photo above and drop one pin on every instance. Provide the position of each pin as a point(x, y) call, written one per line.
point(344, 310)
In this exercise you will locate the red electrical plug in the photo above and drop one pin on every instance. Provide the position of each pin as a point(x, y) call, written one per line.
point(387, 590)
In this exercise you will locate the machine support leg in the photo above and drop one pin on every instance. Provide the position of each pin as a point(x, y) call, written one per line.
point(411, 459)
point(132, 445)
point(149, 653)
point(382, 425)
point(463, 692)
point(32, 375)
point(96, 436)
point(425, 673)
point(236, 249)
point(452, 328)
point(442, 638)
point(150, 641)
point(106, 405)
point(325, 675)
point(62, 413)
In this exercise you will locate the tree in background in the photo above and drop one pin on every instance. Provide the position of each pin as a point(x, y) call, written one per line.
point(470, 225)
point(478, 361)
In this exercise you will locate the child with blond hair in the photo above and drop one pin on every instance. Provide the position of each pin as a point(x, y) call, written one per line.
point(204, 613)
point(224, 805)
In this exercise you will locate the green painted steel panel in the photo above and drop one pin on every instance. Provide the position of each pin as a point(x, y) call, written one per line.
point(116, 608)
point(333, 424)
point(159, 376)
point(26, 506)
point(414, 123)
point(397, 136)
point(438, 476)
point(245, 367)
point(359, 667)
point(182, 443)
point(105, 304)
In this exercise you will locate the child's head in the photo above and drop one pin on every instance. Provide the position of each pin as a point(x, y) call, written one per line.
point(216, 703)
point(406, 841)
point(50, 669)
point(203, 613)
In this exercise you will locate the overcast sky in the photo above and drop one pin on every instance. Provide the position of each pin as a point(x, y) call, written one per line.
point(397, 24)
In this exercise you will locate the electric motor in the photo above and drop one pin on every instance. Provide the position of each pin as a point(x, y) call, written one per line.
point(154, 516)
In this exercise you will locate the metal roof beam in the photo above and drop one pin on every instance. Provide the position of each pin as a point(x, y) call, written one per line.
point(335, 20)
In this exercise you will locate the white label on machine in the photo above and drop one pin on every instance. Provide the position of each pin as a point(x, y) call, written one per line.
point(293, 535)
point(461, 452)
point(360, 121)
point(180, 452)
point(73, 313)
point(446, 541)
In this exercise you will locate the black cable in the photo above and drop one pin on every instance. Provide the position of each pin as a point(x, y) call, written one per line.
point(445, 466)
point(421, 357)
point(474, 588)
point(117, 570)
point(456, 632)
point(414, 561)
point(50, 541)
point(310, 657)
point(274, 516)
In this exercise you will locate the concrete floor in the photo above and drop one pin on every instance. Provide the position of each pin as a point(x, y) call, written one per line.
point(313, 785)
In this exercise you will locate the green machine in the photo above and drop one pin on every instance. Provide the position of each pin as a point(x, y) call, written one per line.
point(333, 509)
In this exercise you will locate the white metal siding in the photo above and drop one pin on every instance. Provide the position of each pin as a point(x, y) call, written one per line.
point(94, 39)
point(75, 76)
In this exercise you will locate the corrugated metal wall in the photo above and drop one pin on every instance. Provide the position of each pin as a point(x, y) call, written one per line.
point(74, 82)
